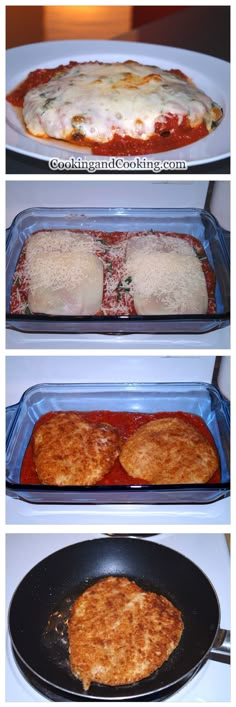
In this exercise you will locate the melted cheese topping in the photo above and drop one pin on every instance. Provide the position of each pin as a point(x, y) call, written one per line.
point(167, 277)
point(65, 277)
point(97, 101)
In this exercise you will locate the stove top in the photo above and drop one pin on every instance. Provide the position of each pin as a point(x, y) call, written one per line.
point(209, 551)
point(55, 695)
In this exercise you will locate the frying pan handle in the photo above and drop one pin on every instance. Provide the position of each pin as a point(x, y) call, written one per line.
point(132, 535)
point(221, 648)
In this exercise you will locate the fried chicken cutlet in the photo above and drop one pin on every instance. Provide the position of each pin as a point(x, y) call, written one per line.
point(119, 633)
point(169, 451)
point(68, 450)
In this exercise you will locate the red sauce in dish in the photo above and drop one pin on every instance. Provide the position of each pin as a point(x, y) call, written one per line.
point(121, 146)
point(168, 136)
point(34, 79)
point(120, 302)
point(127, 423)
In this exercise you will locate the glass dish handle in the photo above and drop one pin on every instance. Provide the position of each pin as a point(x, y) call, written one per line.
point(10, 416)
point(226, 236)
point(226, 404)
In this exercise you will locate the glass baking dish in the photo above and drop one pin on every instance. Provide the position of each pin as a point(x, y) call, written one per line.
point(197, 398)
point(196, 222)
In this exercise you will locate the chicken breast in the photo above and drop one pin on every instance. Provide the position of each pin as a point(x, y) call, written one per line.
point(65, 277)
point(68, 450)
point(166, 275)
point(119, 633)
point(169, 450)
point(67, 298)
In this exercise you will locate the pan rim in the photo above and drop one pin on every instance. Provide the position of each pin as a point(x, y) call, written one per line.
point(186, 677)
point(85, 697)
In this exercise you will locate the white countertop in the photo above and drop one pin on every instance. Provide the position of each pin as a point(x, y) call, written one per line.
point(117, 516)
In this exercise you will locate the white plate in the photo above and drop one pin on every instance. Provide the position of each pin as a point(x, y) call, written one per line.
point(210, 74)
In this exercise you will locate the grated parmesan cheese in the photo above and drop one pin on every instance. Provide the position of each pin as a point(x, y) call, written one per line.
point(92, 272)
point(167, 277)
point(65, 276)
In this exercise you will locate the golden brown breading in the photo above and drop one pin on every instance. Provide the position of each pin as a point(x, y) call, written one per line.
point(169, 451)
point(119, 633)
point(68, 450)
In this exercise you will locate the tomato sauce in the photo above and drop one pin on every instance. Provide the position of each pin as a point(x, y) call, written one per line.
point(123, 146)
point(127, 423)
point(34, 79)
point(167, 136)
point(116, 300)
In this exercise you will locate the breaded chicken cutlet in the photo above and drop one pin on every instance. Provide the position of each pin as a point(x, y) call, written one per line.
point(68, 450)
point(169, 450)
point(119, 633)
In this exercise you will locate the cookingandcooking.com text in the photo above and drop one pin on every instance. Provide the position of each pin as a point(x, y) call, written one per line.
point(116, 163)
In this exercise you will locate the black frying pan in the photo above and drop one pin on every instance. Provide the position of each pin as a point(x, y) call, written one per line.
point(41, 605)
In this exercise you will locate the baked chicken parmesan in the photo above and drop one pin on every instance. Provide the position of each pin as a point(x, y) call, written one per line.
point(119, 633)
point(116, 108)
